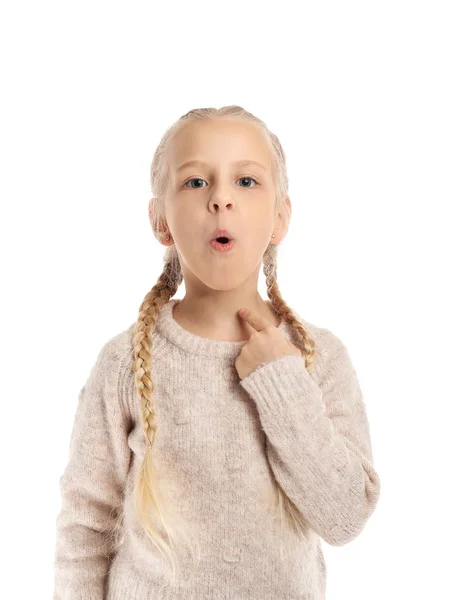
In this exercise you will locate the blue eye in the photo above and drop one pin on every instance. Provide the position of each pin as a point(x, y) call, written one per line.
point(194, 179)
point(199, 179)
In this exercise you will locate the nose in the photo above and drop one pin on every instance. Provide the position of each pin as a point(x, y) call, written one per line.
point(220, 200)
point(220, 205)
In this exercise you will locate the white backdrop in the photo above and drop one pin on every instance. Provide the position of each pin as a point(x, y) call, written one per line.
point(365, 99)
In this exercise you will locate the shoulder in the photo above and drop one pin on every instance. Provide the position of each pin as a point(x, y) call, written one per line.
point(114, 353)
point(329, 347)
point(112, 370)
point(326, 341)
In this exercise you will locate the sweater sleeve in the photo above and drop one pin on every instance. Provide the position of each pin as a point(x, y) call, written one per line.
point(92, 483)
point(318, 440)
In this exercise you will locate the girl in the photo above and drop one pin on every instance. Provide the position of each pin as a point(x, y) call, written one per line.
point(221, 433)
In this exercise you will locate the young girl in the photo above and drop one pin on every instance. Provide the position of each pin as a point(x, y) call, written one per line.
point(222, 441)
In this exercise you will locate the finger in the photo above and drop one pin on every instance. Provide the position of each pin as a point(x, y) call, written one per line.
point(253, 319)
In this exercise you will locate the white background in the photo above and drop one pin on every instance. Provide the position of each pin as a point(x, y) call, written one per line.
point(365, 98)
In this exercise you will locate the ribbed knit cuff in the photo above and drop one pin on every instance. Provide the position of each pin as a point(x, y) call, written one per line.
point(284, 388)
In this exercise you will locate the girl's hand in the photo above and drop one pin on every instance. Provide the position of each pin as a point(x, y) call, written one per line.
point(266, 344)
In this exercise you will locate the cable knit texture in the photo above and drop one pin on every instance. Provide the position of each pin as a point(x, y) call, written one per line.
point(220, 445)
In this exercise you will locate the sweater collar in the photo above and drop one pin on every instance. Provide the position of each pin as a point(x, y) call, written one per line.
point(168, 328)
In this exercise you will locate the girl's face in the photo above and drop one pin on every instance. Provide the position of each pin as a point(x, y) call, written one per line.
point(219, 192)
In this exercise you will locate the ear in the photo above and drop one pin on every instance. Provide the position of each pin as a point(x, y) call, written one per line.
point(163, 230)
point(283, 221)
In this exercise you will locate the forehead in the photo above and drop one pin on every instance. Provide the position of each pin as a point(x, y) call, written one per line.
point(220, 140)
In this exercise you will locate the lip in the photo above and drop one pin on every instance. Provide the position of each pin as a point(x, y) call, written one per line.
point(222, 247)
point(221, 233)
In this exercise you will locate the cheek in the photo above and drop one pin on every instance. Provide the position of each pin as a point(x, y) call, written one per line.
point(185, 222)
point(259, 228)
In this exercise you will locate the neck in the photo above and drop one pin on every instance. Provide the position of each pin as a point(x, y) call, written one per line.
point(214, 317)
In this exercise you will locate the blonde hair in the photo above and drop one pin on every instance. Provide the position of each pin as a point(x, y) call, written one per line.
point(148, 499)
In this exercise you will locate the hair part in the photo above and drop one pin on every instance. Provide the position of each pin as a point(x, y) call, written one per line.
point(147, 495)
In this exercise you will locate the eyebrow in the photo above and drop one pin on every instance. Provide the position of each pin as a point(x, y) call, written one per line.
point(200, 163)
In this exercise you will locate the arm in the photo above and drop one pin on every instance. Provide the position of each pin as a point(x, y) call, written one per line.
point(93, 481)
point(318, 440)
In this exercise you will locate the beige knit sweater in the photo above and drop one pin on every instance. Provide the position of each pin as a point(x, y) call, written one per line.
point(220, 444)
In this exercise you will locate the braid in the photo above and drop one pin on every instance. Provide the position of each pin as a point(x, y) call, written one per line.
point(281, 308)
point(307, 346)
point(147, 494)
point(160, 294)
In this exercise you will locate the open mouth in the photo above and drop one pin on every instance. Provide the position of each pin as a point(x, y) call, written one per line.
point(222, 244)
